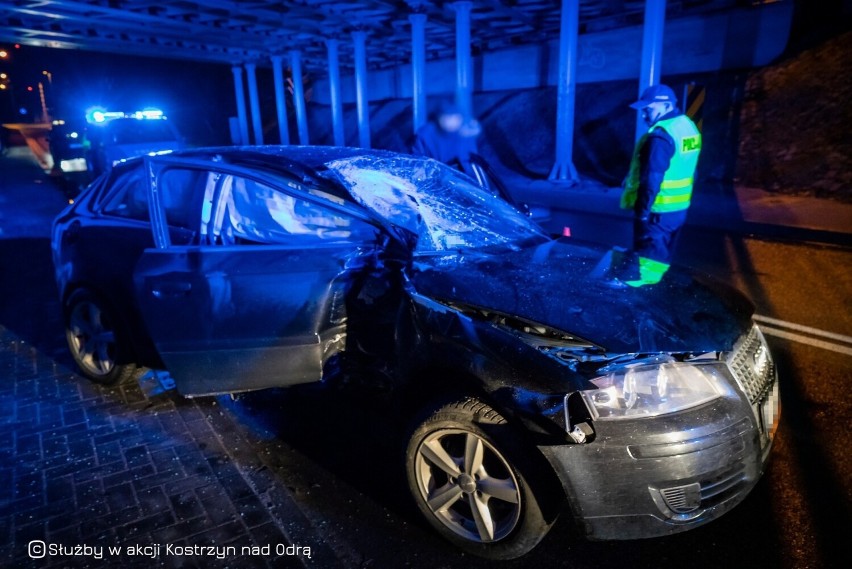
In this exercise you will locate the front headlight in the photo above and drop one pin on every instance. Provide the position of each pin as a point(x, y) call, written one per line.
point(638, 391)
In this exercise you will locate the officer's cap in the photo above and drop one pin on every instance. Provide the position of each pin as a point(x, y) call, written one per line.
point(655, 94)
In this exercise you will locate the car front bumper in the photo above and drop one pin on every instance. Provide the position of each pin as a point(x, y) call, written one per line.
point(649, 478)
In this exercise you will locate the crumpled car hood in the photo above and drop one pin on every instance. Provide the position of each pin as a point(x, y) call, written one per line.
point(565, 285)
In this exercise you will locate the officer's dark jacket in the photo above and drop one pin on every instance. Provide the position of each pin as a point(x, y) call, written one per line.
point(448, 147)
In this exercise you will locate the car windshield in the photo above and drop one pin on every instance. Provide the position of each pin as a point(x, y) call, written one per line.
point(441, 206)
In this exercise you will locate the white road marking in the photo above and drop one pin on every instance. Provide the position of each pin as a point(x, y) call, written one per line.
point(816, 342)
point(800, 328)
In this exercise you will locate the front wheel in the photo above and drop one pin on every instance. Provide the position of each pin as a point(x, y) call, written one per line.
point(91, 334)
point(467, 473)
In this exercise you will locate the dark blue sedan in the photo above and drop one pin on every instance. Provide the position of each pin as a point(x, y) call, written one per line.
point(531, 371)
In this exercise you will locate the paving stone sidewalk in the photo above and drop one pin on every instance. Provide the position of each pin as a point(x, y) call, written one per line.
point(135, 465)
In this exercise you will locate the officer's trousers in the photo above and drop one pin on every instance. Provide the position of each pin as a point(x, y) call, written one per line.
point(657, 237)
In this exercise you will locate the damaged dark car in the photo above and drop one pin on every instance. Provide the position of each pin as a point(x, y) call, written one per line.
point(533, 385)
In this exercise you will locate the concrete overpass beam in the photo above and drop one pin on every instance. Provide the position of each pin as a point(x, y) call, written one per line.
point(280, 100)
point(464, 87)
point(299, 96)
point(563, 169)
point(418, 69)
point(254, 102)
point(334, 92)
point(652, 52)
point(241, 105)
point(363, 101)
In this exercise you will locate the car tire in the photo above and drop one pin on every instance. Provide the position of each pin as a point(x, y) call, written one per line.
point(475, 483)
point(91, 332)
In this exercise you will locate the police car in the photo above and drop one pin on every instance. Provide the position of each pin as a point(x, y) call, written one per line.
point(115, 136)
point(81, 152)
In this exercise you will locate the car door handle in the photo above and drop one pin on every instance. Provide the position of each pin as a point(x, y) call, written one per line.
point(171, 289)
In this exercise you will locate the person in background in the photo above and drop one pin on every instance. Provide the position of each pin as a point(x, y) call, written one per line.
point(448, 138)
point(658, 187)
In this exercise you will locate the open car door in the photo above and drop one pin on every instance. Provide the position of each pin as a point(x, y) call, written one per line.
point(258, 297)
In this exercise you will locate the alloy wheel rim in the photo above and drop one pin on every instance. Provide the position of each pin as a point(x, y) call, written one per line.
point(468, 485)
point(92, 338)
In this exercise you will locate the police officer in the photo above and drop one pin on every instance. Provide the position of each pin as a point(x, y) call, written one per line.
point(658, 187)
point(448, 138)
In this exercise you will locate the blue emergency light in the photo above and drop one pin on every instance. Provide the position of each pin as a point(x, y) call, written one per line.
point(101, 116)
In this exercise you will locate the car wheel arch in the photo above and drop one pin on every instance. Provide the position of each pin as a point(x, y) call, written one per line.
point(419, 403)
point(542, 494)
point(121, 363)
point(80, 288)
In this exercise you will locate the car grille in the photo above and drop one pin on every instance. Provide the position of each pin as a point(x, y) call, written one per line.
point(752, 365)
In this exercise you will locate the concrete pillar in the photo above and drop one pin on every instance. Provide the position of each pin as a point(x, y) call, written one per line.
point(418, 69)
point(652, 52)
point(254, 102)
point(563, 169)
point(464, 72)
point(360, 39)
point(241, 104)
point(334, 87)
point(299, 96)
point(280, 98)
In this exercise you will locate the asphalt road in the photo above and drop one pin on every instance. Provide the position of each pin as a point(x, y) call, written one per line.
point(339, 458)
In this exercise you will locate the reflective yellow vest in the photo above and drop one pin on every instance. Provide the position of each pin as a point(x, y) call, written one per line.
point(676, 188)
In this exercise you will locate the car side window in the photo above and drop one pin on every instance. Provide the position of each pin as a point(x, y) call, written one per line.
point(180, 195)
point(129, 198)
point(251, 212)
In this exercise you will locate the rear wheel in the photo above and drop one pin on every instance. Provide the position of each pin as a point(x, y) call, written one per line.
point(91, 334)
point(471, 477)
